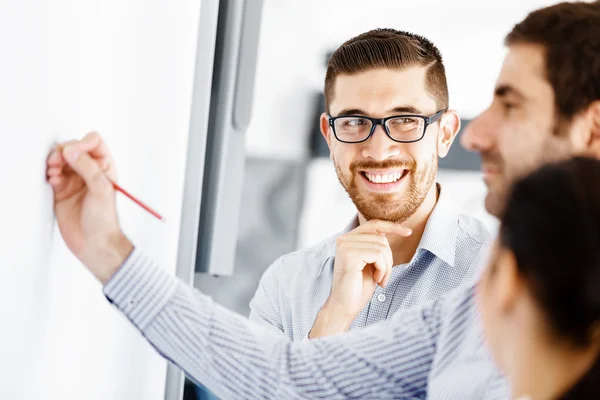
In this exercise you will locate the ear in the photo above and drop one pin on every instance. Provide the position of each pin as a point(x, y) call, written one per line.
point(507, 281)
point(449, 127)
point(593, 147)
point(326, 131)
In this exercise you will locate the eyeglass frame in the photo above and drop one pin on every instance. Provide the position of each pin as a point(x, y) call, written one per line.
point(382, 121)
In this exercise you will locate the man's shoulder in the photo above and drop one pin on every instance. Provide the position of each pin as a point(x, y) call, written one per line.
point(309, 259)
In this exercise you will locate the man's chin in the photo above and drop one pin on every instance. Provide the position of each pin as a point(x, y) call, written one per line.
point(494, 203)
point(389, 218)
point(388, 212)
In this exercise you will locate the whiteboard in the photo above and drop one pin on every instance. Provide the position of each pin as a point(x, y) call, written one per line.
point(124, 69)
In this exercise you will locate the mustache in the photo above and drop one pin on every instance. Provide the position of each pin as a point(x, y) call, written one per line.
point(387, 164)
point(491, 158)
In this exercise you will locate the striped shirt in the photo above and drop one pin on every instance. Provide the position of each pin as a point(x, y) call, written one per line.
point(434, 352)
point(295, 287)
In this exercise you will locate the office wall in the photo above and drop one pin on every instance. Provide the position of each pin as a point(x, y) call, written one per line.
point(272, 198)
point(68, 67)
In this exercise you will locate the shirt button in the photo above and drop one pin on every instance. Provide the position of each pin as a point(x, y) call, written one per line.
point(381, 297)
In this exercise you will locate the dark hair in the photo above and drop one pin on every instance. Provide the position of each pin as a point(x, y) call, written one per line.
point(388, 48)
point(570, 36)
point(552, 225)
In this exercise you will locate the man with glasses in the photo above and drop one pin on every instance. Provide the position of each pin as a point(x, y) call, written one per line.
point(386, 123)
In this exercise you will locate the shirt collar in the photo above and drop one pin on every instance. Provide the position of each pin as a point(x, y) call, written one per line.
point(441, 230)
point(351, 226)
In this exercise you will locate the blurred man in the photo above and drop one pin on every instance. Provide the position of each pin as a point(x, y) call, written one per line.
point(546, 107)
point(386, 123)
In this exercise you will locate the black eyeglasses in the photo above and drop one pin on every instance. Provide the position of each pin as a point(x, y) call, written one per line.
point(405, 128)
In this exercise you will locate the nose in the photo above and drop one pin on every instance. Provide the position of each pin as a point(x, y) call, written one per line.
point(479, 134)
point(379, 146)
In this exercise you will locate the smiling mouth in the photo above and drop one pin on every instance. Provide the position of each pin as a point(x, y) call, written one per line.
point(391, 177)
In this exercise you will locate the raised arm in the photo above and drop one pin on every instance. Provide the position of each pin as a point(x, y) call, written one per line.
point(236, 358)
point(230, 355)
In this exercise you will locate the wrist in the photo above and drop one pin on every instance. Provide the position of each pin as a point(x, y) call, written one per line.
point(331, 320)
point(108, 257)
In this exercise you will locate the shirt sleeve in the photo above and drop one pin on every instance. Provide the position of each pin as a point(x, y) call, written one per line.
point(236, 358)
point(264, 306)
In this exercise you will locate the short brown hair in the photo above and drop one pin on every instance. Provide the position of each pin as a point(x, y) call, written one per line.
point(388, 48)
point(570, 36)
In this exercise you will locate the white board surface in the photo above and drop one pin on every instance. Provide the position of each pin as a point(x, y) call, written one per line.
point(124, 69)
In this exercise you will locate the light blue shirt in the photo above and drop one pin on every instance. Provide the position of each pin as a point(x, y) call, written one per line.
point(295, 286)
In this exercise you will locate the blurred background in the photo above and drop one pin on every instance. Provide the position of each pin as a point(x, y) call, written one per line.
point(135, 71)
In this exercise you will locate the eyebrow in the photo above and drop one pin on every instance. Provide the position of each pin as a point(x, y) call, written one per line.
point(399, 110)
point(507, 90)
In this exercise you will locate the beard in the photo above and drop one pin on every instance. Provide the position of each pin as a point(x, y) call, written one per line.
point(387, 206)
point(519, 162)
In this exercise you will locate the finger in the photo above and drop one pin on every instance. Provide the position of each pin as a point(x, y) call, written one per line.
point(365, 237)
point(388, 274)
point(356, 250)
point(365, 254)
point(381, 266)
point(55, 171)
point(84, 166)
point(55, 181)
point(97, 149)
point(56, 159)
point(93, 144)
point(388, 261)
point(59, 185)
point(389, 258)
point(384, 282)
point(353, 240)
point(378, 226)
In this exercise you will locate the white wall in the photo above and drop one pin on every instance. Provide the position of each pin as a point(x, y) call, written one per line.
point(123, 68)
point(296, 35)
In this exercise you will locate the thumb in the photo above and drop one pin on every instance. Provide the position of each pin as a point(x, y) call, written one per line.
point(84, 166)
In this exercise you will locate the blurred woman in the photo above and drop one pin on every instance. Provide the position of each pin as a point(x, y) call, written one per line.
point(540, 298)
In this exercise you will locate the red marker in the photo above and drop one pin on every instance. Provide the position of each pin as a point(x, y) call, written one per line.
point(138, 202)
point(120, 189)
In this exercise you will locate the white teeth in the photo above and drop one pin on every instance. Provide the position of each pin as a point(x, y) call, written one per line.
point(384, 178)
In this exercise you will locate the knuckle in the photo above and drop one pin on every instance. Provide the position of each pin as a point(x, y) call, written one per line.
point(100, 183)
point(92, 137)
point(381, 247)
point(342, 245)
point(382, 240)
